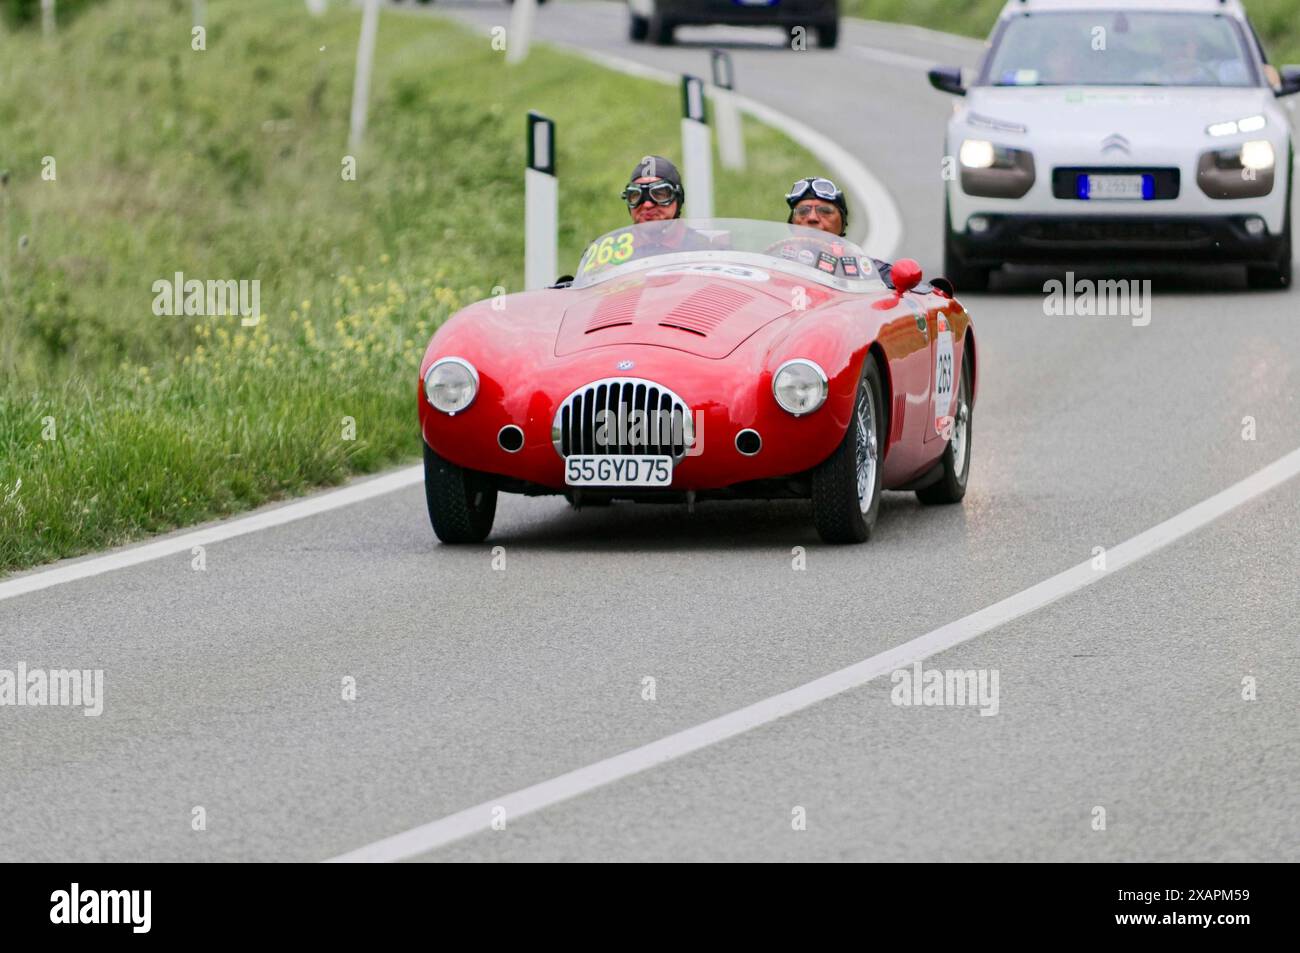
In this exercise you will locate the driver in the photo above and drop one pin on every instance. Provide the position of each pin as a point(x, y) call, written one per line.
point(817, 202)
point(654, 193)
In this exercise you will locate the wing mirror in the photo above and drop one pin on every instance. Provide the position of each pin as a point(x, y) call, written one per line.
point(906, 275)
point(1290, 81)
point(947, 79)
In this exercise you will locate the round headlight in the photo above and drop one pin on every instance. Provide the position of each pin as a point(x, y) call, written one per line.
point(451, 384)
point(800, 386)
point(1257, 154)
point(977, 154)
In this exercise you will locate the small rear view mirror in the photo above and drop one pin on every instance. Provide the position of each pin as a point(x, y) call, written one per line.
point(947, 79)
point(1290, 81)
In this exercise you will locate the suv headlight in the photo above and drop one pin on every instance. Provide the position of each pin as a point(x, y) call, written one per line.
point(1237, 172)
point(977, 154)
point(996, 172)
point(1257, 154)
point(800, 386)
point(451, 384)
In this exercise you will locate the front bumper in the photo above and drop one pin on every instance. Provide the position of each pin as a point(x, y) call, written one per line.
point(730, 13)
point(1062, 238)
point(723, 403)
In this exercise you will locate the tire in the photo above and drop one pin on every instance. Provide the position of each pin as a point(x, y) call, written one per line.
point(828, 35)
point(1278, 277)
point(837, 491)
point(661, 30)
point(956, 456)
point(964, 277)
point(638, 29)
point(462, 505)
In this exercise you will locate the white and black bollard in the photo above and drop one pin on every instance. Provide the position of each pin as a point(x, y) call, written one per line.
point(541, 205)
point(731, 136)
point(697, 149)
point(522, 15)
point(361, 81)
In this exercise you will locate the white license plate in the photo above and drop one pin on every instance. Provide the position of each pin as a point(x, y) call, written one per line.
point(618, 470)
point(1115, 187)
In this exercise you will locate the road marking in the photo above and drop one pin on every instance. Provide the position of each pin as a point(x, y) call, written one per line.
point(884, 227)
point(892, 58)
point(883, 236)
point(884, 221)
point(960, 44)
point(321, 503)
point(479, 818)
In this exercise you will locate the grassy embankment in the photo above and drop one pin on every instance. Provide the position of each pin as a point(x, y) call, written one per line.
point(226, 164)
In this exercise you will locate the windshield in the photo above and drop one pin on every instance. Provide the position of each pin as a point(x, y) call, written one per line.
point(729, 248)
point(1113, 48)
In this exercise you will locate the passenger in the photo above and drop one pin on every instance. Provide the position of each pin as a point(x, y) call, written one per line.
point(817, 202)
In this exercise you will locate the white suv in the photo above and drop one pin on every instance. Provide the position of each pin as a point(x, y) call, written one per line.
point(1107, 131)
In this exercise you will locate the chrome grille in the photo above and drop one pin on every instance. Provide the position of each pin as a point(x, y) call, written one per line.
point(598, 419)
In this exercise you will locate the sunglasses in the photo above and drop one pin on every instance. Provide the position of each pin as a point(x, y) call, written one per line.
point(822, 188)
point(823, 211)
point(661, 193)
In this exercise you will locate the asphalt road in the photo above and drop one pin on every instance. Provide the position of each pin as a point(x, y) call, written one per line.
point(223, 687)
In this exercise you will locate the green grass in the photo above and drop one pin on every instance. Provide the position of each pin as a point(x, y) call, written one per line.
point(1278, 21)
point(225, 164)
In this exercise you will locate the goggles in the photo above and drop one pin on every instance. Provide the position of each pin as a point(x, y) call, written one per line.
point(822, 188)
point(661, 193)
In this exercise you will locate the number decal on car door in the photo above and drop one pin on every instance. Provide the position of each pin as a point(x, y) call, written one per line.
point(943, 371)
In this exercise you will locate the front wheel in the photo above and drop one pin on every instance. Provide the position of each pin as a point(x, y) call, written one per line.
point(964, 277)
point(828, 35)
point(846, 486)
point(956, 456)
point(462, 504)
point(661, 30)
point(1277, 277)
point(638, 29)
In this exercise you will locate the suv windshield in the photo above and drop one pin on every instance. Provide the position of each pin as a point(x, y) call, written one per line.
point(1114, 48)
point(728, 247)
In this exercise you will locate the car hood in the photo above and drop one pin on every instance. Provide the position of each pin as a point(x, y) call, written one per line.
point(706, 316)
point(1090, 114)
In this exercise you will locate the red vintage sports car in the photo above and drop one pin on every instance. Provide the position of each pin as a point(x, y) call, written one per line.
point(692, 360)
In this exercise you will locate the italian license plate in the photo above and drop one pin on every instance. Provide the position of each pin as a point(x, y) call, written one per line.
point(618, 470)
point(1116, 187)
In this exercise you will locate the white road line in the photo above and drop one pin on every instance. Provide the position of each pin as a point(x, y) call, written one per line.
point(884, 222)
point(321, 503)
point(476, 819)
point(958, 43)
point(891, 58)
point(884, 234)
point(884, 227)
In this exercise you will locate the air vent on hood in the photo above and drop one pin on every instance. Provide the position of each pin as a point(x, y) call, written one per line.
point(616, 309)
point(705, 310)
